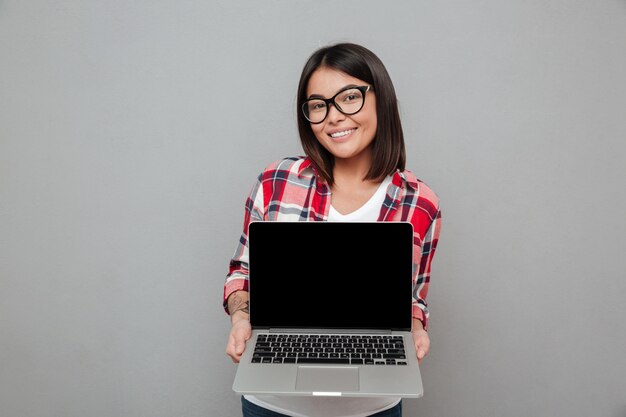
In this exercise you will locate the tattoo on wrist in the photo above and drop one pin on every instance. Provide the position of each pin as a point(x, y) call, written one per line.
point(238, 304)
point(245, 307)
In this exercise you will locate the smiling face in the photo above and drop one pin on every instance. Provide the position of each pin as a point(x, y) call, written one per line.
point(346, 137)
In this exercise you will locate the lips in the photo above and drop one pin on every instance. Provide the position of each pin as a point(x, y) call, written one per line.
point(338, 134)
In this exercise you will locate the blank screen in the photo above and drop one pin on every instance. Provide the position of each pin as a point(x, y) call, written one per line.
point(331, 274)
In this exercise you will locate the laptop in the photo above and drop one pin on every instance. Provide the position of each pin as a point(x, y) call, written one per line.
point(330, 309)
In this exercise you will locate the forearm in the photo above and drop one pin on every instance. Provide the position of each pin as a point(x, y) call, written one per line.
point(239, 306)
point(417, 324)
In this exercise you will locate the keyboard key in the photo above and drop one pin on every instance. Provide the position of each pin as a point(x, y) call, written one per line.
point(263, 354)
point(324, 360)
point(394, 356)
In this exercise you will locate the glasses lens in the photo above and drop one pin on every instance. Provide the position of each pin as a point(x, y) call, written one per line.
point(315, 110)
point(350, 101)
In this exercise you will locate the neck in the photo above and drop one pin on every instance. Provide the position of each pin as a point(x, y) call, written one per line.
point(352, 170)
point(351, 180)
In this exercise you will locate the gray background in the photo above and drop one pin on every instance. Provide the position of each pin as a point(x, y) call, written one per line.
point(132, 131)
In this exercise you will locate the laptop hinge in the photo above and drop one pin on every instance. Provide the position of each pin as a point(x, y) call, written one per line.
point(334, 331)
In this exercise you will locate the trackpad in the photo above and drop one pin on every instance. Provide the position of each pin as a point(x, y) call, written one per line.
point(327, 379)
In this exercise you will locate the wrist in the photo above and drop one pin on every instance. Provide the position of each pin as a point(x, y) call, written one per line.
point(417, 325)
point(238, 316)
point(239, 306)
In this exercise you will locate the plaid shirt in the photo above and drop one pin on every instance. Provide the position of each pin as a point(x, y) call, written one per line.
point(291, 190)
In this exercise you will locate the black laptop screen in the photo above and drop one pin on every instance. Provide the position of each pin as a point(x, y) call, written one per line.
point(331, 275)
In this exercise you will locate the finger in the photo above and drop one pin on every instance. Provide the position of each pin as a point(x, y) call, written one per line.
point(233, 356)
point(231, 350)
point(239, 347)
point(421, 353)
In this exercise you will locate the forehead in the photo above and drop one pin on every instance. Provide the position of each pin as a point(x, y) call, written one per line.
point(327, 81)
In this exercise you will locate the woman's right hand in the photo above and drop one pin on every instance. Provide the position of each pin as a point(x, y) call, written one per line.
point(241, 330)
point(239, 335)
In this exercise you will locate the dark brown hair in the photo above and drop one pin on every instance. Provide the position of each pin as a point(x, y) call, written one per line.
point(359, 62)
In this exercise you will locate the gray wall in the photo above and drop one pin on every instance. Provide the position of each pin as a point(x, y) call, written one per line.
point(131, 132)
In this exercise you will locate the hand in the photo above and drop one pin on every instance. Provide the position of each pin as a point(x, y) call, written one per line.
point(239, 335)
point(421, 340)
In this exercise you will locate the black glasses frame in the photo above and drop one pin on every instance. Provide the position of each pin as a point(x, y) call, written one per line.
point(362, 88)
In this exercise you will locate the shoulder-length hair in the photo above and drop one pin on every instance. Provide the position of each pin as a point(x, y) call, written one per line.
point(389, 152)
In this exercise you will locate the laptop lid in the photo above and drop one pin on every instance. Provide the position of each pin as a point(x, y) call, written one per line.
point(331, 275)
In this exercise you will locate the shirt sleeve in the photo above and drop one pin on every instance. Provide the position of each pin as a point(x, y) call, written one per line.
point(422, 278)
point(237, 276)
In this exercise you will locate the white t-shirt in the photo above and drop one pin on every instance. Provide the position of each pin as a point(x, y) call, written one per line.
point(368, 211)
point(335, 406)
point(324, 406)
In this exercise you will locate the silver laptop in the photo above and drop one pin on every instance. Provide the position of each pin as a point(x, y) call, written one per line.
point(330, 309)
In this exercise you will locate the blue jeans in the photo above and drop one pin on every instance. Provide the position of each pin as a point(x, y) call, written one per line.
point(252, 410)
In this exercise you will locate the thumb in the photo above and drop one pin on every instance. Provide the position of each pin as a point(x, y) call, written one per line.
point(239, 347)
point(420, 353)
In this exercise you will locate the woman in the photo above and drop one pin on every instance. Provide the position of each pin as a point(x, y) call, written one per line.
point(354, 170)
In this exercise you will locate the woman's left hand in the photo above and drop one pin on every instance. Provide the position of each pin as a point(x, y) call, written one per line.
point(420, 340)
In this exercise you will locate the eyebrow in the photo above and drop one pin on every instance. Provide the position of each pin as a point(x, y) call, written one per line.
point(345, 87)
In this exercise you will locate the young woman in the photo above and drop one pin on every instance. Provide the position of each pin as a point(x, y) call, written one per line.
point(354, 170)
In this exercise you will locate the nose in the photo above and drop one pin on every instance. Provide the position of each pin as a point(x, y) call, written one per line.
point(334, 114)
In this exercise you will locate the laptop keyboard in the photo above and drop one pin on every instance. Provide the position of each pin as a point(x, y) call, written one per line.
point(329, 349)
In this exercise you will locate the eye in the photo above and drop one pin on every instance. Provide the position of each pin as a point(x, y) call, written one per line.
point(351, 96)
point(316, 105)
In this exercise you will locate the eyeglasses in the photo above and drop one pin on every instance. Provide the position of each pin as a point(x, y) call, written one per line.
point(349, 100)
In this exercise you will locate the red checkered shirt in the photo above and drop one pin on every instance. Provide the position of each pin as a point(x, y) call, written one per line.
point(291, 190)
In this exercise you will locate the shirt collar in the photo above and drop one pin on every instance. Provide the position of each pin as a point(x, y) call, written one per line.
point(405, 176)
point(307, 167)
point(306, 164)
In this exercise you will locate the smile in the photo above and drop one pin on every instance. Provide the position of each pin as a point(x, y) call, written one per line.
point(341, 134)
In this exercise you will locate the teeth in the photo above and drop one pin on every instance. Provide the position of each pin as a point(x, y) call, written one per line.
point(342, 133)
